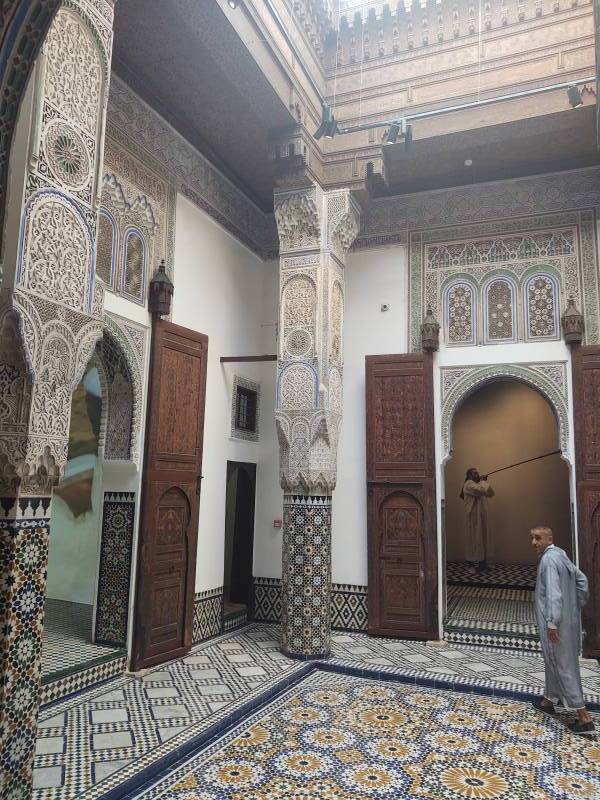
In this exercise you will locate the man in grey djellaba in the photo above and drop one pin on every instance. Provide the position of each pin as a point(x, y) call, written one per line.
point(561, 591)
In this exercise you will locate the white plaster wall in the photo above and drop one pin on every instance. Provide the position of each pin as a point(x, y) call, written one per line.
point(219, 291)
point(373, 277)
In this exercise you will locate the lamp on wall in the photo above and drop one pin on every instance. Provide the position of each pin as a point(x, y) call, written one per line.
point(574, 95)
point(572, 323)
point(161, 292)
point(430, 333)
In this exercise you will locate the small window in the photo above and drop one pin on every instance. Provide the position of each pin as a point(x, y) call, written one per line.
point(246, 402)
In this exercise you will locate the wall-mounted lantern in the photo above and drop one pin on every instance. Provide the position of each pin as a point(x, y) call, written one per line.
point(161, 292)
point(430, 333)
point(572, 323)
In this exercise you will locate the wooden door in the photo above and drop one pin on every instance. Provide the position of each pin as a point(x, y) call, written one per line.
point(171, 495)
point(402, 541)
point(586, 412)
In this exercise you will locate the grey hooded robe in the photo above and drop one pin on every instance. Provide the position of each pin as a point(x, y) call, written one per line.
point(561, 590)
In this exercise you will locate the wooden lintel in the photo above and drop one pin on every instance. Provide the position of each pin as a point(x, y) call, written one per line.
point(227, 359)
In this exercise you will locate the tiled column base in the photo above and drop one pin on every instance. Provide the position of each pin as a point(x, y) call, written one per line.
point(24, 538)
point(306, 579)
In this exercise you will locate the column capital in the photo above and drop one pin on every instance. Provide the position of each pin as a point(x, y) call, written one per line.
point(316, 229)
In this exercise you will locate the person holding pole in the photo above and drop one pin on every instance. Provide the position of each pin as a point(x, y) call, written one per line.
point(475, 493)
point(561, 590)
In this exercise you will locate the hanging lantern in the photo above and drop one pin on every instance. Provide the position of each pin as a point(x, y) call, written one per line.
point(430, 333)
point(572, 323)
point(161, 292)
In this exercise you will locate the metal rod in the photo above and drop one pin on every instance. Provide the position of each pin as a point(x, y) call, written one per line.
point(474, 104)
point(526, 461)
point(229, 359)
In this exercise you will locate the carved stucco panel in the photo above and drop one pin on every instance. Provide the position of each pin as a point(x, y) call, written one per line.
point(550, 379)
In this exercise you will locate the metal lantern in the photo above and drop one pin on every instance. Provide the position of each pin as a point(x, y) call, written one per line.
point(161, 292)
point(430, 333)
point(572, 323)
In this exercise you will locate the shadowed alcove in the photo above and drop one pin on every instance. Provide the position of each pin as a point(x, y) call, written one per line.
point(503, 422)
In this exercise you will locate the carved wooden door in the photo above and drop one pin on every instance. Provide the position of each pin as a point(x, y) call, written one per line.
point(402, 542)
point(586, 412)
point(171, 495)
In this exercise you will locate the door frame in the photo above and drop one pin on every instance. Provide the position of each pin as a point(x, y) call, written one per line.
point(566, 442)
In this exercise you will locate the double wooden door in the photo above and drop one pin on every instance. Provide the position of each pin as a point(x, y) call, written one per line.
point(586, 395)
point(402, 540)
point(170, 495)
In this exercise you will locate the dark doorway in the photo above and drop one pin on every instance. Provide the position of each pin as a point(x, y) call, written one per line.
point(239, 540)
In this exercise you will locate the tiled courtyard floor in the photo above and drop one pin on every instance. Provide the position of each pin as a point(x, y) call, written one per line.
point(109, 741)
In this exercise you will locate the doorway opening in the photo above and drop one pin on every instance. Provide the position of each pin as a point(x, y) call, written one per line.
point(502, 423)
point(74, 553)
point(239, 543)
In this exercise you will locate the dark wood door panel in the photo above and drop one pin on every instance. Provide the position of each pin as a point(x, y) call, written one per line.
point(171, 489)
point(586, 412)
point(402, 561)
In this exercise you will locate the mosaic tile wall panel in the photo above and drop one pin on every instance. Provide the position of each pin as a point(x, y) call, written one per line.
point(267, 599)
point(208, 614)
point(114, 577)
point(24, 538)
point(306, 569)
point(349, 604)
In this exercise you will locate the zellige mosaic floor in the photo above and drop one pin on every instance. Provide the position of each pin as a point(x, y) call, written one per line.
point(101, 741)
point(338, 737)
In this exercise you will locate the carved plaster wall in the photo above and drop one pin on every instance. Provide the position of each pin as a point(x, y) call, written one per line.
point(549, 378)
point(509, 253)
point(316, 229)
point(137, 221)
point(145, 135)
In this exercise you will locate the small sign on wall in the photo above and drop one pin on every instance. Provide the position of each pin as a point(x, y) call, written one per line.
point(278, 523)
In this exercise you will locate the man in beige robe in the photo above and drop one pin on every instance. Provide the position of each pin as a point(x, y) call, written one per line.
point(475, 493)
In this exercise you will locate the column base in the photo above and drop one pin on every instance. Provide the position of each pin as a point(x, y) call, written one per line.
point(303, 657)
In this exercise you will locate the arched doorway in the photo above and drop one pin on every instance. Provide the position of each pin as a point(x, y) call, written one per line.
point(502, 422)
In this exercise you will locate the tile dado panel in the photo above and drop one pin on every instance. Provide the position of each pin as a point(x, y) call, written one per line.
point(114, 576)
point(349, 604)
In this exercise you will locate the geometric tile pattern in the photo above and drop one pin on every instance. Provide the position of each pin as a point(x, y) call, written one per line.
point(54, 690)
point(349, 604)
point(24, 538)
point(498, 576)
point(492, 617)
point(115, 733)
point(342, 736)
point(267, 599)
point(234, 620)
point(67, 640)
point(92, 742)
point(115, 568)
point(349, 607)
point(208, 614)
point(306, 571)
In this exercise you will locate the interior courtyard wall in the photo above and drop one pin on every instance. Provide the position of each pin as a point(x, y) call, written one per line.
point(219, 292)
point(501, 423)
point(373, 278)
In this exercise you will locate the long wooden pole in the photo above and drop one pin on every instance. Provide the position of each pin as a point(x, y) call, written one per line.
point(526, 461)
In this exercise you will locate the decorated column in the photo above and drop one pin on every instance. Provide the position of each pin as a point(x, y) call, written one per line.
point(316, 229)
point(50, 321)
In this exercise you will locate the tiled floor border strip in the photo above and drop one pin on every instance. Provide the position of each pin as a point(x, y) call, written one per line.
point(481, 585)
point(221, 728)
